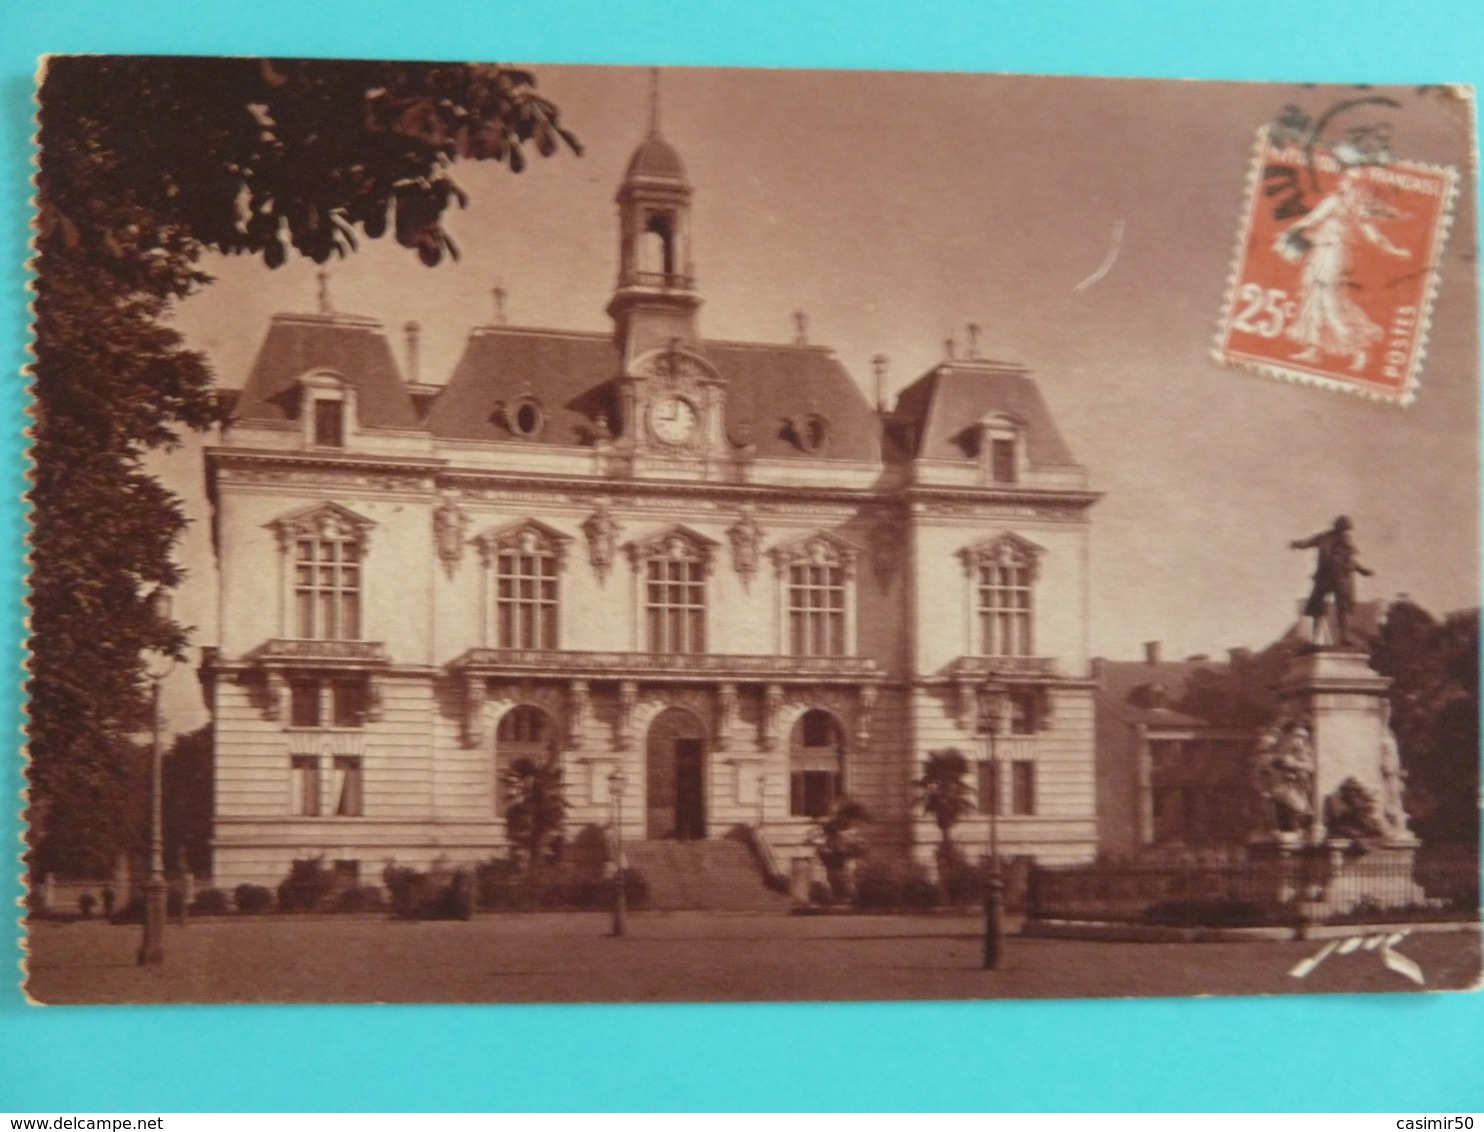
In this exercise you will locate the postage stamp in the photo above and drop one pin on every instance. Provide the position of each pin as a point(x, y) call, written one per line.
point(1335, 268)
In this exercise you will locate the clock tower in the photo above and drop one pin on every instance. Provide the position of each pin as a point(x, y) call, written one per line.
point(672, 398)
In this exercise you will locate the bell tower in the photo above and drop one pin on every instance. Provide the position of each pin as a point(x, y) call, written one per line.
point(655, 302)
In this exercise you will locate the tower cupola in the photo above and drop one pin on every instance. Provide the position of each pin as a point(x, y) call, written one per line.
point(655, 301)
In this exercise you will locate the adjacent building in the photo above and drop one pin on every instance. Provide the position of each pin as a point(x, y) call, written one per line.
point(710, 576)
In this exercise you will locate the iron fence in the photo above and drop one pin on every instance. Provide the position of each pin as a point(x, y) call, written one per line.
point(1316, 885)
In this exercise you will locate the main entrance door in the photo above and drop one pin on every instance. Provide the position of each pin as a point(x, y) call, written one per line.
point(675, 791)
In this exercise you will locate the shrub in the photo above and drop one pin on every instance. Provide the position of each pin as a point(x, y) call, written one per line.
point(435, 895)
point(366, 898)
point(86, 903)
point(307, 887)
point(880, 887)
point(252, 898)
point(211, 902)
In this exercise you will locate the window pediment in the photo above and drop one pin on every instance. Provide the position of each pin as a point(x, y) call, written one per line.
point(528, 536)
point(323, 521)
point(678, 543)
point(819, 548)
point(1008, 549)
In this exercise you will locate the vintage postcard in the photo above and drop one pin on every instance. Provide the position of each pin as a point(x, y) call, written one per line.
point(563, 534)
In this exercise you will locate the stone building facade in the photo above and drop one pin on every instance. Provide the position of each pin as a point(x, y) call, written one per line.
point(712, 565)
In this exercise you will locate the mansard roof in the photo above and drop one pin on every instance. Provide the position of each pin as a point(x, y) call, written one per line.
point(934, 415)
point(354, 349)
point(571, 375)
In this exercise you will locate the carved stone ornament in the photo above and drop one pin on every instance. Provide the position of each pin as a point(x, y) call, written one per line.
point(819, 549)
point(527, 536)
point(746, 538)
point(324, 521)
point(602, 531)
point(1006, 550)
point(449, 523)
point(678, 544)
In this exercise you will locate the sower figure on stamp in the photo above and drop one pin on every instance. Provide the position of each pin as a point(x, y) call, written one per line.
point(1328, 319)
point(1334, 574)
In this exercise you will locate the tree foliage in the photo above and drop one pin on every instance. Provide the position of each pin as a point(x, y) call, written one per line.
point(146, 164)
point(535, 809)
point(1434, 670)
point(943, 791)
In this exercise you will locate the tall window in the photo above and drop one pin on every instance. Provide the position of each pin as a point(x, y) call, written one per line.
point(322, 702)
point(816, 578)
point(1022, 787)
point(304, 785)
point(815, 762)
point(1005, 608)
point(816, 610)
point(675, 603)
point(988, 794)
point(346, 786)
point(327, 589)
point(526, 598)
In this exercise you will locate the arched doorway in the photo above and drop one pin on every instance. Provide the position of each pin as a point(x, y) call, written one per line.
point(525, 732)
point(675, 777)
point(816, 764)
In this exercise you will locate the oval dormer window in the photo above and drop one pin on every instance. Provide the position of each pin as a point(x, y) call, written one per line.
point(811, 433)
point(524, 418)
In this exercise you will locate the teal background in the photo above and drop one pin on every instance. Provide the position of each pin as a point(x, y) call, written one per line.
point(1413, 1052)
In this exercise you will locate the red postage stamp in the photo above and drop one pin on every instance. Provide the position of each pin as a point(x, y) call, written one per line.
point(1335, 269)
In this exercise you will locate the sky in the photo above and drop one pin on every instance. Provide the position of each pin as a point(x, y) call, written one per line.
point(895, 208)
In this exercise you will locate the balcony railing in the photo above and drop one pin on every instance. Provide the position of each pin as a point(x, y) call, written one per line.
point(618, 665)
point(299, 650)
point(984, 667)
point(663, 280)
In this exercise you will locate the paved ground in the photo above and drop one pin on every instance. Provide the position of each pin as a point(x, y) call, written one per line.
point(680, 956)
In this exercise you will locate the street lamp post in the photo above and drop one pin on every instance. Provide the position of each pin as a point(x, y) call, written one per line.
point(992, 699)
point(152, 949)
point(616, 783)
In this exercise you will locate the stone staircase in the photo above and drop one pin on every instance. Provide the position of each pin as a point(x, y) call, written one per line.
point(720, 875)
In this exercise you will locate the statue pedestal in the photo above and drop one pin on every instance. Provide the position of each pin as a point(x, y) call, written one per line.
point(1343, 700)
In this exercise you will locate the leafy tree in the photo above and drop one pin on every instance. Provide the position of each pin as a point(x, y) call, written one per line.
point(944, 794)
point(535, 810)
point(1434, 671)
point(146, 164)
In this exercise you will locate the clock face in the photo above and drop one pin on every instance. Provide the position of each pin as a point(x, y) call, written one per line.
point(674, 420)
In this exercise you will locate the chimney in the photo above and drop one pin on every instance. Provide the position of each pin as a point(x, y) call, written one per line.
point(801, 328)
point(322, 277)
point(878, 371)
point(1151, 652)
point(973, 340)
point(950, 348)
point(413, 331)
point(499, 294)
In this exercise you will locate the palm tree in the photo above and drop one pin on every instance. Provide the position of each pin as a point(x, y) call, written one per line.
point(943, 790)
point(535, 809)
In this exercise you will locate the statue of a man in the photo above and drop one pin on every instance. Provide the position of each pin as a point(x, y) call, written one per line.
point(1334, 574)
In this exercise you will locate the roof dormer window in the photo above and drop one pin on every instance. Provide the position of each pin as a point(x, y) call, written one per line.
point(329, 423)
point(327, 408)
point(1001, 449)
point(811, 432)
point(524, 417)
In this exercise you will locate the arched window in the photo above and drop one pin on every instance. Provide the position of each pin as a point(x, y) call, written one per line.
point(525, 732)
point(816, 764)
